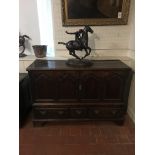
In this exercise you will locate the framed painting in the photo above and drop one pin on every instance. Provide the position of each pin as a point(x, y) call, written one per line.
point(94, 12)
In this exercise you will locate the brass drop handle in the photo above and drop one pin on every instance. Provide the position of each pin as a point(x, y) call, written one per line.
point(78, 112)
point(42, 112)
point(80, 87)
point(113, 112)
point(96, 111)
point(60, 112)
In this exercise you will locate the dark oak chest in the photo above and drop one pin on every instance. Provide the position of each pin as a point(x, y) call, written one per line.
point(99, 92)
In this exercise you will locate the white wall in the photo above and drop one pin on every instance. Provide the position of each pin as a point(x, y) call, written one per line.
point(28, 23)
point(131, 107)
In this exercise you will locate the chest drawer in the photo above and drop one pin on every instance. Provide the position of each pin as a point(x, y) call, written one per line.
point(105, 112)
point(50, 113)
point(56, 113)
point(78, 112)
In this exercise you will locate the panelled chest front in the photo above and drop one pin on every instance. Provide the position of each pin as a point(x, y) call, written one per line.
point(99, 92)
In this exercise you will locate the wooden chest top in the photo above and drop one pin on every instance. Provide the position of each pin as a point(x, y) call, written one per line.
point(61, 65)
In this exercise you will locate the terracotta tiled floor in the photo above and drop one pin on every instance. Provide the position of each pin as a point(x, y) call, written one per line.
point(91, 138)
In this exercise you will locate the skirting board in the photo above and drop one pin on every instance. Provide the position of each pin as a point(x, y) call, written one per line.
point(131, 114)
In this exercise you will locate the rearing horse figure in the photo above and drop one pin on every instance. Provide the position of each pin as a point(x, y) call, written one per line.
point(80, 42)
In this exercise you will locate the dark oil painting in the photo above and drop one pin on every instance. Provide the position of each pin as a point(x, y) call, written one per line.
point(79, 9)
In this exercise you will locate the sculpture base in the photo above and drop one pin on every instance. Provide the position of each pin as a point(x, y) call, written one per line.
point(22, 55)
point(79, 63)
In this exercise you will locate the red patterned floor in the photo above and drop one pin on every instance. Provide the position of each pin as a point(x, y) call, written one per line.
point(102, 138)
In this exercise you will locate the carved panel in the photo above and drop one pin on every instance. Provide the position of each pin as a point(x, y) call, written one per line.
point(114, 86)
point(89, 86)
point(67, 87)
point(45, 87)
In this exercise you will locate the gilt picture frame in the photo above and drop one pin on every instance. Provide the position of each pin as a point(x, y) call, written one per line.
point(94, 12)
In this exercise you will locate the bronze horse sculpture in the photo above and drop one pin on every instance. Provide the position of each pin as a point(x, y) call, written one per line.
point(22, 44)
point(80, 42)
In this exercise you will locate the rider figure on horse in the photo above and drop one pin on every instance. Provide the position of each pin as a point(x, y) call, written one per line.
point(78, 35)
